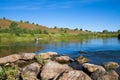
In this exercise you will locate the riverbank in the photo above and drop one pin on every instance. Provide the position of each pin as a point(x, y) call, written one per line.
point(52, 66)
point(7, 37)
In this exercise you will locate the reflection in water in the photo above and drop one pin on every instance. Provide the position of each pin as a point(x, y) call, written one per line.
point(18, 48)
point(98, 49)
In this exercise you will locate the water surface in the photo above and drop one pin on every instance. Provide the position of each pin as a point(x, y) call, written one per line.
point(98, 50)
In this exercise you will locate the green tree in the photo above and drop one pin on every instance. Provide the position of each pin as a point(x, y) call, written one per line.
point(26, 22)
point(13, 25)
point(118, 31)
point(21, 21)
point(14, 29)
point(75, 29)
point(86, 30)
point(105, 31)
point(65, 31)
point(33, 23)
point(45, 32)
point(55, 27)
point(81, 29)
point(4, 18)
point(37, 24)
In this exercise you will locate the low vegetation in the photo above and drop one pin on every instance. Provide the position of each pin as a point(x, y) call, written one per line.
point(25, 31)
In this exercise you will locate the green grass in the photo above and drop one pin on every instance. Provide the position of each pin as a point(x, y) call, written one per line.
point(11, 72)
point(6, 37)
point(2, 74)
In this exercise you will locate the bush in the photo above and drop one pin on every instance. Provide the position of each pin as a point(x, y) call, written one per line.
point(45, 32)
point(2, 74)
point(12, 73)
point(39, 59)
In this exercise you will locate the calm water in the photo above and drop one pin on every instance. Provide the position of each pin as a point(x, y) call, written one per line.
point(98, 50)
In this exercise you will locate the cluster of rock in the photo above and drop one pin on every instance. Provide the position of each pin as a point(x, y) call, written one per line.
point(50, 66)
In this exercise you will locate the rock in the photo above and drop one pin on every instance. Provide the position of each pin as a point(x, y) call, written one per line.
point(92, 68)
point(53, 69)
point(112, 75)
point(83, 52)
point(89, 67)
point(100, 72)
point(22, 63)
point(31, 71)
point(15, 57)
point(82, 60)
point(62, 59)
point(10, 58)
point(96, 74)
point(27, 56)
point(47, 55)
point(110, 65)
point(74, 75)
point(101, 69)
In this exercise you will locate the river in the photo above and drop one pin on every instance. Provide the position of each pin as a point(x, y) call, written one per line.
point(98, 50)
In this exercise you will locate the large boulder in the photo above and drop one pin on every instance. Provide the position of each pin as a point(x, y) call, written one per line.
point(52, 69)
point(10, 58)
point(63, 59)
point(27, 56)
point(110, 65)
point(98, 73)
point(89, 67)
point(47, 55)
point(112, 75)
point(74, 75)
point(31, 71)
point(82, 60)
point(92, 67)
point(15, 57)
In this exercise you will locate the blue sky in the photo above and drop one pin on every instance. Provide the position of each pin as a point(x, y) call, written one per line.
point(94, 15)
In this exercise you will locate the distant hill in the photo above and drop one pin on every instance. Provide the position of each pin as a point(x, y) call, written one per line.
point(4, 23)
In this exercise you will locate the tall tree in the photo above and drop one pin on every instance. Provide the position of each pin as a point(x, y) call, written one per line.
point(118, 31)
point(105, 31)
point(14, 29)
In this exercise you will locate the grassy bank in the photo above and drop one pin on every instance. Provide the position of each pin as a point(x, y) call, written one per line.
point(6, 37)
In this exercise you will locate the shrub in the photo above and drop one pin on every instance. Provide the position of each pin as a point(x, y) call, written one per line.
point(2, 74)
point(39, 59)
point(12, 73)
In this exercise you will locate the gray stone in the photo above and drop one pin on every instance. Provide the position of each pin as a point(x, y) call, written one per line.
point(27, 56)
point(74, 75)
point(82, 60)
point(110, 65)
point(112, 75)
point(53, 69)
point(62, 59)
point(89, 67)
point(10, 58)
point(47, 55)
point(31, 71)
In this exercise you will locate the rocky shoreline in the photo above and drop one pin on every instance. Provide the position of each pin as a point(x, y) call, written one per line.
point(51, 66)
